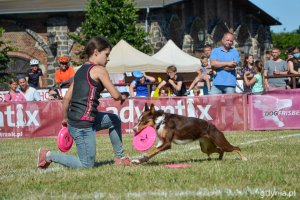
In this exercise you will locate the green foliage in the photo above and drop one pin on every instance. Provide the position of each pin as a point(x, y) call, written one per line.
point(115, 20)
point(273, 165)
point(4, 58)
point(284, 40)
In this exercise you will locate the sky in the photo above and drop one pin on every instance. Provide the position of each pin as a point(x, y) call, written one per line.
point(285, 11)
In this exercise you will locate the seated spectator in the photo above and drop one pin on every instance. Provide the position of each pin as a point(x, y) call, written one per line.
point(196, 90)
point(175, 82)
point(294, 64)
point(34, 75)
point(163, 92)
point(256, 81)
point(138, 84)
point(13, 94)
point(53, 94)
point(203, 75)
point(64, 75)
point(30, 93)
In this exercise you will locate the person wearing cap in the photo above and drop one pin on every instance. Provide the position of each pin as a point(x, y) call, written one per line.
point(139, 84)
point(64, 75)
point(34, 74)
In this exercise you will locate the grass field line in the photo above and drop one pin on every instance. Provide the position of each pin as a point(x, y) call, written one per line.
point(273, 138)
point(202, 192)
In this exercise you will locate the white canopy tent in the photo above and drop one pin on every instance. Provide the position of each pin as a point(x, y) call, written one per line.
point(171, 53)
point(125, 58)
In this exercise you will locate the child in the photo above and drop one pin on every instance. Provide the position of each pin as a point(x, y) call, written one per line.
point(203, 74)
point(256, 82)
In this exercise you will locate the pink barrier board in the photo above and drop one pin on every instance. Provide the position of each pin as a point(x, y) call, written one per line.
point(275, 110)
point(42, 119)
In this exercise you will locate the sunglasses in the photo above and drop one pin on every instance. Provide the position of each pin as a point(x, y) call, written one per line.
point(63, 63)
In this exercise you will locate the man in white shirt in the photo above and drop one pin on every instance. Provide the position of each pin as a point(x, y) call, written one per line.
point(30, 93)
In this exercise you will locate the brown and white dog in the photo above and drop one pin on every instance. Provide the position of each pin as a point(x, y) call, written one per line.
point(182, 130)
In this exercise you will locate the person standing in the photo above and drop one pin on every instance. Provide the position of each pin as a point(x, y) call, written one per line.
point(276, 66)
point(81, 115)
point(224, 60)
point(294, 64)
point(30, 93)
point(64, 75)
point(139, 84)
point(248, 67)
point(256, 80)
point(34, 75)
point(13, 94)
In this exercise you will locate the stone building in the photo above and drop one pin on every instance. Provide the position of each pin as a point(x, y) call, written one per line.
point(41, 30)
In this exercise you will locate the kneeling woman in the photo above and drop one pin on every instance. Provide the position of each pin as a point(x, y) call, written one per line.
point(80, 112)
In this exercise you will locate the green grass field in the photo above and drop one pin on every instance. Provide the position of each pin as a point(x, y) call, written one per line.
point(271, 172)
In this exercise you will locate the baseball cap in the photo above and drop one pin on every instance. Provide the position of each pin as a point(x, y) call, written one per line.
point(137, 74)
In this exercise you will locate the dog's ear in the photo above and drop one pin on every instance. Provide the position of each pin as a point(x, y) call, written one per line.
point(152, 109)
point(146, 107)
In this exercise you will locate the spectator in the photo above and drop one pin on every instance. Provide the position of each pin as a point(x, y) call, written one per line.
point(207, 51)
point(175, 82)
point(163, 92)
point(203, 74)
point(224, 60)
point(248, 67)
point(255, 81)
point(294, 64)
point(268, 56)
point(30, 93)
point(53, 94)
point(80, 111)
point(13, 94)
point(34, 75)
point(196, 90)
point(139, 84)
point(64, 75)
point(276, 66)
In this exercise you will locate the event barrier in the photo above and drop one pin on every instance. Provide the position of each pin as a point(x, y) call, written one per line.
point(273, 110)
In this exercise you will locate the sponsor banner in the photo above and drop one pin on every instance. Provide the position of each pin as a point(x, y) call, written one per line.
point(41, 119)
point(227, 112)
point(30, 119)
point(275, 110)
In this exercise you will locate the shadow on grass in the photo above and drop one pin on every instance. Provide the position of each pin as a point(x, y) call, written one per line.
point(102, 163)
point(155, 163)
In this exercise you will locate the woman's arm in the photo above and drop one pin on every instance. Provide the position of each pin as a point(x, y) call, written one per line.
point(66, 104)
point(291, 68)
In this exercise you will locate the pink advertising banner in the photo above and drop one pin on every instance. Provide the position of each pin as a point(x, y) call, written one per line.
point(42, 119)
point(275, 110)
point(30, 119)
point(227, 112)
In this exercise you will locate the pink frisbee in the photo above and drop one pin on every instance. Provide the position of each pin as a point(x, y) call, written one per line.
point(64, 140)
point(144, 139)
point(176, 166)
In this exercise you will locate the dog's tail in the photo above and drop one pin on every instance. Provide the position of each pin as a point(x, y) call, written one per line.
point(220, 141)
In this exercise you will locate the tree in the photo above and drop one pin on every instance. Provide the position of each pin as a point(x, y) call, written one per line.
point(284, 40)
point(115, 20)
point(4, 58)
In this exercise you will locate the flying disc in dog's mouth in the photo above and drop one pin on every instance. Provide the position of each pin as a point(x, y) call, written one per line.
point(64, 140)
point(144, 139)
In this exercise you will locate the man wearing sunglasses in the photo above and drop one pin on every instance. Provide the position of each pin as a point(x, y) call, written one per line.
point(64, 75)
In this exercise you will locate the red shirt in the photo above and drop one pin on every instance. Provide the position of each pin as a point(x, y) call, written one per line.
point(61, 76)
